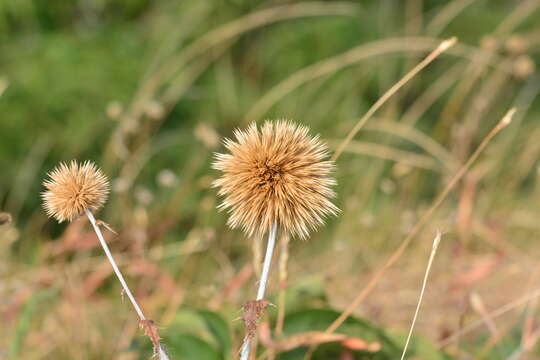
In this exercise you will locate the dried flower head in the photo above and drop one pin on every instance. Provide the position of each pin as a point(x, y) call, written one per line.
point(73, 188)
point(276, 174)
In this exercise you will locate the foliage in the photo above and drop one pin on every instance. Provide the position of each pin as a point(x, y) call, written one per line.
point(147, 89)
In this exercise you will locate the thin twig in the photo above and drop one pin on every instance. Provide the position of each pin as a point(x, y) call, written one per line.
point(150, 329)
point(246, 346)
point(114, 266)
point(436, 242)
point(442, 196)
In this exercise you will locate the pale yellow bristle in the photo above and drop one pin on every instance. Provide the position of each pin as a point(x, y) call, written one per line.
point(73, 188)
point(276, 174)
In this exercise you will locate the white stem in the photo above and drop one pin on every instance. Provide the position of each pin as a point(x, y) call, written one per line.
point(267, 261)
point(436, 242)
point(246, 346)
point(163, 354)
point(113, 264)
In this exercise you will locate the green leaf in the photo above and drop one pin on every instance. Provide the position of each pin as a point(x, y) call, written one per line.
point(24, 320)
point(320, 319)
point(219, 329)
point(208, 327)
point(190, 347)
point(391, 345)
point(305, 293)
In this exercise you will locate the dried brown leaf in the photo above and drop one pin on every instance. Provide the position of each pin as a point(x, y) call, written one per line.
point(151, 330)
point(106, 226)
point(313, 338)
point(251, 313)
point(476, 273)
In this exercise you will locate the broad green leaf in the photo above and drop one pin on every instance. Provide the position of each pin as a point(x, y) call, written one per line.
point(305, 293)
point(189, 347)
point(191, 322)
point(219, 329)
point(320, 319)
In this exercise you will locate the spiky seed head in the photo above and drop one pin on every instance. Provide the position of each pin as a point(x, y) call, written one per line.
point(278, 173)
point(73, 188)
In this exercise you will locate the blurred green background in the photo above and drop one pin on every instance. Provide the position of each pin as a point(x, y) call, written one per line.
point(148, 90)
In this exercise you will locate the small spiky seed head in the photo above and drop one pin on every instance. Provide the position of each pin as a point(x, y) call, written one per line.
point(74, 188)
point(276, 174)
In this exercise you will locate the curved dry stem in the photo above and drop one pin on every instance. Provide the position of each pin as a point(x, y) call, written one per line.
point(224, 34)
point(496, 313)
point(436, 242)
point(437, 88)
point(418, 138)
point(446, 15)
point(445, 45)
point(520, 13)
point(396, 255)
point(525, 98)
point(389, 153)
point(338, 62)
point(438, 201)
point(254, 20)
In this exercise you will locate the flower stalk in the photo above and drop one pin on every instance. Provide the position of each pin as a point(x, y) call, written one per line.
point(271, 243)
point(77, 189)
point(119, 275)
point(274, 175)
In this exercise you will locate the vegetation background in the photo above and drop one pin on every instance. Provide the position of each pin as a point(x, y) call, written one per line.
point(148, 89)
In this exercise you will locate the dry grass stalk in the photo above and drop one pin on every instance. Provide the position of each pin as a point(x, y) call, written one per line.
point(394, 257)
point(203, 51)
point(77, 189)
point(390, 153)
point(443, 46)
point(348, 58)
point(436, 242)
point(447, 13)
point(493, 314)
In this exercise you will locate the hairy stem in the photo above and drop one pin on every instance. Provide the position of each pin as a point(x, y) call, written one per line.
point(246, 346)
point(114, 266)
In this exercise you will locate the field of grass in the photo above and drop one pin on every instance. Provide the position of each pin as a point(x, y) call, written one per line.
point(148, 90)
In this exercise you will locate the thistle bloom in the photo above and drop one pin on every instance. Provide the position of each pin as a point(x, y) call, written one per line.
point(276, 175)
point(74, 188)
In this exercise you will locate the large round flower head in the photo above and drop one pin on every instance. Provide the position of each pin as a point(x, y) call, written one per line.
point(74, 188)
point(278, 174)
